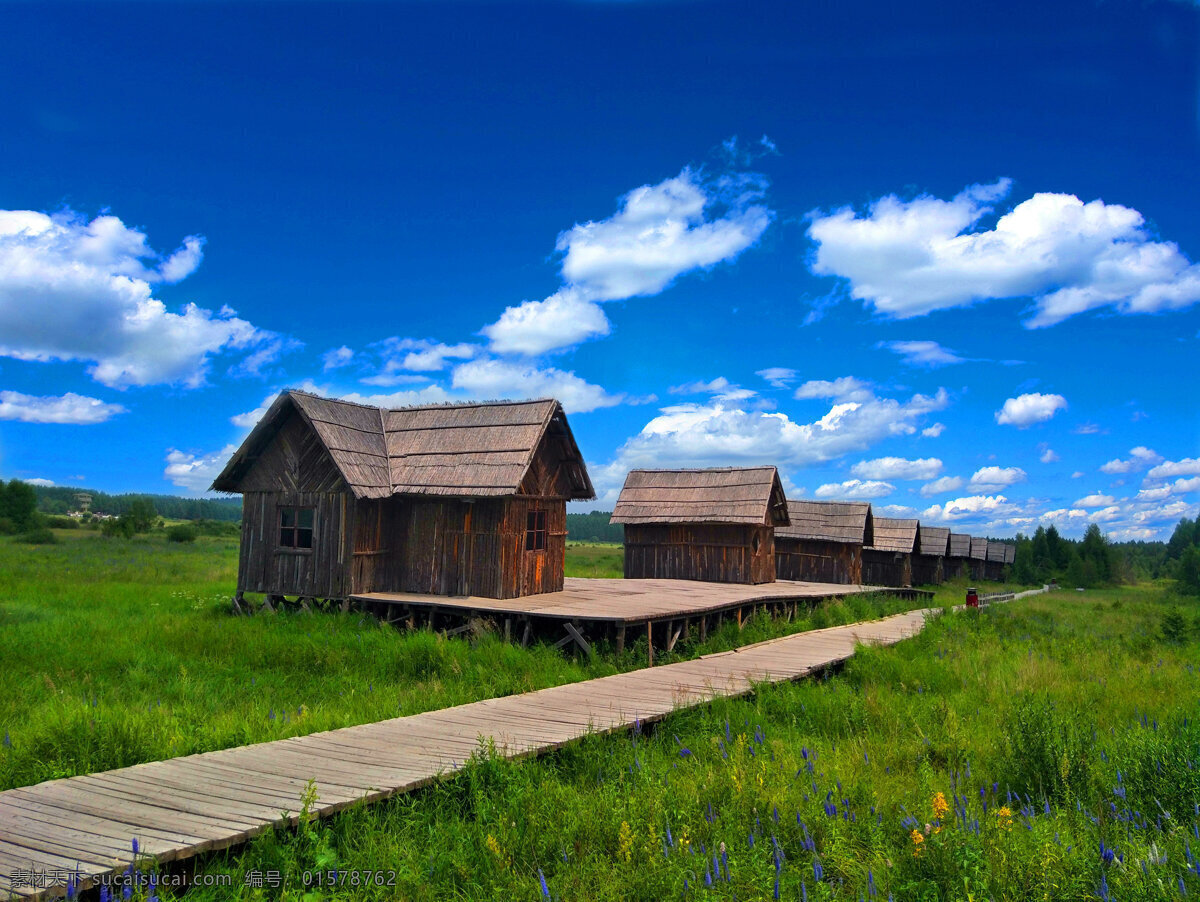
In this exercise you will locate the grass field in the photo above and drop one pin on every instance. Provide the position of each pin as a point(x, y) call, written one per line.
point(119, 651)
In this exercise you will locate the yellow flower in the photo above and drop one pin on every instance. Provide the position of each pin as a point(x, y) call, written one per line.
point(625, 839)
point(940, 806)
point(1004, 816)
point(917, 839)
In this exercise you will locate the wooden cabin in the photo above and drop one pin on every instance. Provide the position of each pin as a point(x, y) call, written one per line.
point(997, 558)
point(978, 559)
point(929, 563)
point(824, 541)
point(888, 560)
point(714, 525)
point(958, 560)
point(456, 499)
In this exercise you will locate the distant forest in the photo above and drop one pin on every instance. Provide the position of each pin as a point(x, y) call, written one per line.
point(594, 527)
point(61, 499)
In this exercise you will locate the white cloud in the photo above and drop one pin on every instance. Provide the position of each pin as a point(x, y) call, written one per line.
point(250, 418)
point(1189, 466)
point(720, 388)
point(943, 485)
point(845, 388)
point(1181, 486)
point(1150, 495)
point(337, 357)
point(719, 433)
point(422, 355)
point(490, 378)
point(991, 479)
point(196, 472)
point(1048, 456)
point(908, 258)
point(897, 468)
point(855, 488)
point(1025, 410)
point(68, 408)
point(46, 483)
point(1095, 500)
point(897, 511)
point(1106, 514)
point(927, 354)
point(1139, 458)
point(934, 431)
point(93, 284)
point(1089, 429)
point(658, 233)
point(967, 507)
point(1078, 474)
point(777, 376)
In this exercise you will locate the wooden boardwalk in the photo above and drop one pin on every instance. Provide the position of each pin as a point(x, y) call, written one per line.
point(84, 826)
point(592, 608)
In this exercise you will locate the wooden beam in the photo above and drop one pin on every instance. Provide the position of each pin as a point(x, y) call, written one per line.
point(573, 633)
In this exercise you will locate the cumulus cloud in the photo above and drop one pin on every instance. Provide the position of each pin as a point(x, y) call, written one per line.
point(491, 378)
point(942, 486)
point(720, 388)
point(1048, 456)
point(934, 431)
point(94, 283)
point(926, 354)
point(967, 507)
point(991, 479)
point(196, 472)
point(658, 233)
point(1189, 466)
point(855, 489)
point(1025, 410)
point(68, 408)
point(335, 358)
point(908, 258)
point(45, 483)
point(777, 376)
point(897, 468)
point(718, 433)
point(1139, 459)
point(1095, 500)
point(845, 388)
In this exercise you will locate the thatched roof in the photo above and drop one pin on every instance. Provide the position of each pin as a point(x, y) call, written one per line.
point(996, 552)
point(846, 522)
point(960, 544)
point(737, 495)
point(895, 535)
point(458, 450)
point(934, 540)
point(1010, 553)
point(978, 548)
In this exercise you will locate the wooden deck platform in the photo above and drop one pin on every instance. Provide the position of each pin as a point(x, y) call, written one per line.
point(591, 608)
point(84, 827)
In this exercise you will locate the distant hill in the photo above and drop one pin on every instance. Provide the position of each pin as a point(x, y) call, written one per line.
point(593, 527)
point(60, 499)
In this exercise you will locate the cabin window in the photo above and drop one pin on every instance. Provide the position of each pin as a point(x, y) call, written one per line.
point(296, 527)
point(535, 531)
point(756, 544)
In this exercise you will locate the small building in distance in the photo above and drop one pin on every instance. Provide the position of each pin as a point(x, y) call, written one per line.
point(929, 563)
point(824, 541)
point(457, 499)
point(716, 525)
point(888, 561)
point(997, 559)
point(978, 559)
point(958, 559)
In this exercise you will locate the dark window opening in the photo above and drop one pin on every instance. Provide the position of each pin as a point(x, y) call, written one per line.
point(756, 544)
point(296, 527)
point(535, 531)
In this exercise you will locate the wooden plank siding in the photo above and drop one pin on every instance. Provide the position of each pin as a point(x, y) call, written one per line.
point(810, 560)
point(887, 568)
point(712, 552)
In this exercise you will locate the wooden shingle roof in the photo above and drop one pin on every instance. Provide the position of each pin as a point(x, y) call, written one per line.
point(895, 535)
point(934, 540)
point(845, 522)
point(978, 548)
point(737, 495)
point(1010, 553)
point(996, 552)
point(460, 450)
point(960, 544)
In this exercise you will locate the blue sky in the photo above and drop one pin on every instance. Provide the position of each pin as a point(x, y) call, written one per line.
point(942, 256)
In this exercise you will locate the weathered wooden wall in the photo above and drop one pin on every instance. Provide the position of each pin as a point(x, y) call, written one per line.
point(710, 552)
point(928, 569)
point(886, 568)
point(993, 570)
point(319, 572)
point(818, 562)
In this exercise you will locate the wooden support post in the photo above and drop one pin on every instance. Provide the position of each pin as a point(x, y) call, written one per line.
point(574, 633)
point(507, 629)
point(528, 632)
point(412, 618)
point(674, 635)
point(703, 627)
point(620, 638)
point(650, 643)
point(739, 617)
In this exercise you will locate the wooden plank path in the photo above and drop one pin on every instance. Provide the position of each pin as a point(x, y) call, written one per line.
point(84, 826)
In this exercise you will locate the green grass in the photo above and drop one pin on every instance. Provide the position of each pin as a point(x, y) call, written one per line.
point(598, 560)
point(1073, 704)
point(120, 651)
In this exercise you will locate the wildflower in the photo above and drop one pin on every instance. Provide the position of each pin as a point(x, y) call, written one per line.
point(818, 870)
point(940, 806)
point(625, 839)
point(1004, 816)
point(542, 881)
point(7, 740)
point(917, 839)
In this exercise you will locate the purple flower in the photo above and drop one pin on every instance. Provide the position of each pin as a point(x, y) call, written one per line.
point(542, 881)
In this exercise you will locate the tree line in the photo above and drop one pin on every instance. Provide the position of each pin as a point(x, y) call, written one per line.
point(594, 527)
point(61, 500)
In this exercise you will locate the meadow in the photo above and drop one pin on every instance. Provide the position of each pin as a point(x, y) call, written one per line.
point(119, 651)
